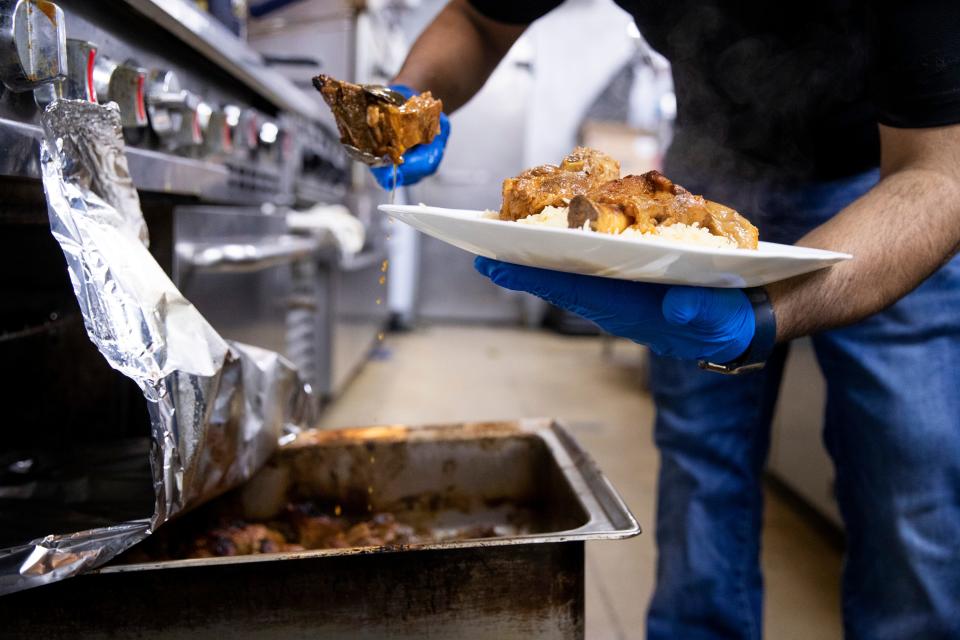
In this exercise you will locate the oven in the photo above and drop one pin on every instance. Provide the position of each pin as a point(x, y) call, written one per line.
point(206, 123)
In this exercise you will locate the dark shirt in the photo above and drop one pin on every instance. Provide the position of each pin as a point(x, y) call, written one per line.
point(792, 90)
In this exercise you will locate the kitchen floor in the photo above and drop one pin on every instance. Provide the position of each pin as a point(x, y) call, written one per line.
point(463, 373)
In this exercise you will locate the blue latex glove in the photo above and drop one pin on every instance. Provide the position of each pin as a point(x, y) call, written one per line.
point(691, 323)
point(419, 161)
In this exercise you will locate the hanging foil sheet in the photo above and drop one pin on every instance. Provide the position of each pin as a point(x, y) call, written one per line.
point(217, 408)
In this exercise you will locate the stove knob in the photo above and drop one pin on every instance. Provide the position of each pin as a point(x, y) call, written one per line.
point(248, 131)
point(172, 110)
point(33, 44)
point(81, 63)
point(124, 84)
point(164, 103)
point(191, 130)
point(217, 131)
point(269, 133)
point(232, 113)
point(286, 145)
point(269, 138)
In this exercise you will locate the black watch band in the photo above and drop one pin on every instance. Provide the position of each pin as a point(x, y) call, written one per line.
point(764, 338)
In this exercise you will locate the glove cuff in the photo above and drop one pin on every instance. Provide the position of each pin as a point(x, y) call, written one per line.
point(764, 337)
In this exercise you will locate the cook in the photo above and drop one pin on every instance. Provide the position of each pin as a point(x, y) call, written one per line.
point(830, 123)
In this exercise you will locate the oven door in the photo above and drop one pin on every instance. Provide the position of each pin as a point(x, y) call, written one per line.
point(238, 267)
point(337, 315)
point(256, 283)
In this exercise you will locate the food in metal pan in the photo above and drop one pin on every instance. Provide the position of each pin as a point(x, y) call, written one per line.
point(300, 526)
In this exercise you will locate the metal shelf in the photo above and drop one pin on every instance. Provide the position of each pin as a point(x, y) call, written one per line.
point(152, 171)
point(218, 44)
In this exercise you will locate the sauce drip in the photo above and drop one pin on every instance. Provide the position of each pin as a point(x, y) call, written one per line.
point(393, 188)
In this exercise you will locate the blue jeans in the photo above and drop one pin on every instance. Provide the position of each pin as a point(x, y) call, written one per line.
point(892, 428)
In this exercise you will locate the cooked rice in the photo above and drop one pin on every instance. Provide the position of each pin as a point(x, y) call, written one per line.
point(685, 233)
point(550, 217)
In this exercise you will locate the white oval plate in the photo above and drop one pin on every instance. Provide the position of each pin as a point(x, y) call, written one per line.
point(601, 254)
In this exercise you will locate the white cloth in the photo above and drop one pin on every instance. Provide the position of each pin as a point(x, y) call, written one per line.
point(347, 231)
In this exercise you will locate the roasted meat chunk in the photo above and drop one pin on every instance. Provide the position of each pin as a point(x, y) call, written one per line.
point(602, 217)
point(240, 539)
point(378, 127)
point(320, 531)
point(554, 186)
point(301, 525)
point(651, 200)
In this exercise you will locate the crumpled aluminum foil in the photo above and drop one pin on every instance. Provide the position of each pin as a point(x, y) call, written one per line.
point(217, 408)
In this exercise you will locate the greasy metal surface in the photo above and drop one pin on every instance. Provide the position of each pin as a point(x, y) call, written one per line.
point(534, 592)
point(441, 477)
point(32, 44)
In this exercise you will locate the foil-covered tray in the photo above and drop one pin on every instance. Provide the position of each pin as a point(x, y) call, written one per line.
point(217, 408)
point(521, 482)
point(527, 479)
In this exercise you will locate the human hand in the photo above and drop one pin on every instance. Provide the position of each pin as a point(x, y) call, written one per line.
point(419, 161)
point(690, 323)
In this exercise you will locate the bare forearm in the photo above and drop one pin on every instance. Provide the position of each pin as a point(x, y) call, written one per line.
point(899, 233)
point(456, 54)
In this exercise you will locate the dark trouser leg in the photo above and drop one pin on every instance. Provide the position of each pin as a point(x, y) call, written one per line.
point(713, 435)
point(893, 430)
